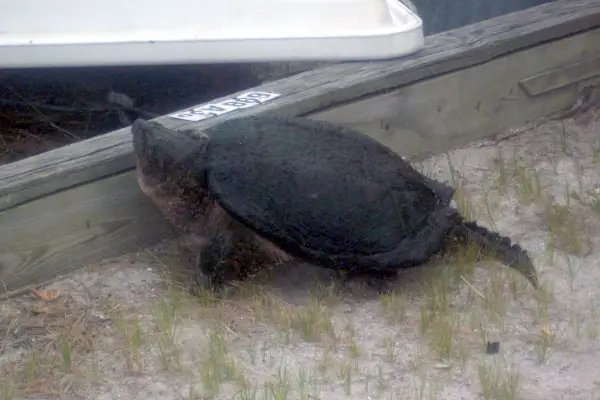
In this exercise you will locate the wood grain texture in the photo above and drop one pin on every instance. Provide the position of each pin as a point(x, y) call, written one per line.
point(457, 108)
point(65, 231)
point(313, 91)
point(560, 77)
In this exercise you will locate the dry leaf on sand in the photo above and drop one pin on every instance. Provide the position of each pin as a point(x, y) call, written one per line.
point(46, 295)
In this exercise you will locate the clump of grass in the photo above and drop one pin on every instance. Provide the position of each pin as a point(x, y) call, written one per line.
point(131, 332)
point(32, 367)
point(327, 294)
point(312, 321)
point(567, 231)
point(165, 318)
point(589, 198)
point(572, 271)
point(394, 306)
point(501, 173)
point(463, 352)
point(390, 350)
point(427, 316)
point(495, 295)
point(6, 391)
point(464, 202)
point(247, 392)
point(542, 344)
point(217, 366)
point(280, 387)
point(527, 183)
point(425, 387)
point(439, 321)
point(464, 259)
point(345, 376)
point(544, 298)
point(441, 338)
point(480, 325)
point(461, 196)
point(354, 348)
point(325, 361)
point(437, 302)
point(516, 284)
point(577, 321)
point(593, 324)
point(381, 382)
point(596, 151)
point(498, 383)
point(66, 354)
point(490, 206)
point(307, 386)
point(437, 294)
point(593, 330)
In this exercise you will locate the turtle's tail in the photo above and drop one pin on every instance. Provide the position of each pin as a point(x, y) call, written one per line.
point(499, 247)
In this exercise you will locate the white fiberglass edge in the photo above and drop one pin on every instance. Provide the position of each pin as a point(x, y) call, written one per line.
point(42, 33)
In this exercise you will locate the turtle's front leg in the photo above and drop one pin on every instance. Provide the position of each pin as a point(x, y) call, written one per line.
point(229, 256)
point(215, 260)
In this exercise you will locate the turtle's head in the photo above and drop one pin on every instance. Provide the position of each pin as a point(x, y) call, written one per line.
point(169, 169)
point(162, 152)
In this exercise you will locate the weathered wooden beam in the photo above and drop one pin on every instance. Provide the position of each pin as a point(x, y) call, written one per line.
point(314, 90)
point(457, 108)
point(79, 204)
point(67, 230)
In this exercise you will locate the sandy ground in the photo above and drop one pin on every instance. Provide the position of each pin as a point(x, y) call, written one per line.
point(127, 330)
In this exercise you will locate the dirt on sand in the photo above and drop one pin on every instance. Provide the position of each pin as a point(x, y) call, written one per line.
point(126, 329)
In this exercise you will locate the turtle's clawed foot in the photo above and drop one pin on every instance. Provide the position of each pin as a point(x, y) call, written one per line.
point(215, 263)
point(229, 256)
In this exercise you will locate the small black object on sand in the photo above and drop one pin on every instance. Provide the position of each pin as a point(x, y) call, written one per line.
point(492, 347)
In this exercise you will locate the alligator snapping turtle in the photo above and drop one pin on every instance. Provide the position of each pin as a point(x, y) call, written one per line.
point(265, 190)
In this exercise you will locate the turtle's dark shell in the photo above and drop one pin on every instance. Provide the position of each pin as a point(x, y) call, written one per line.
point(324, 193)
